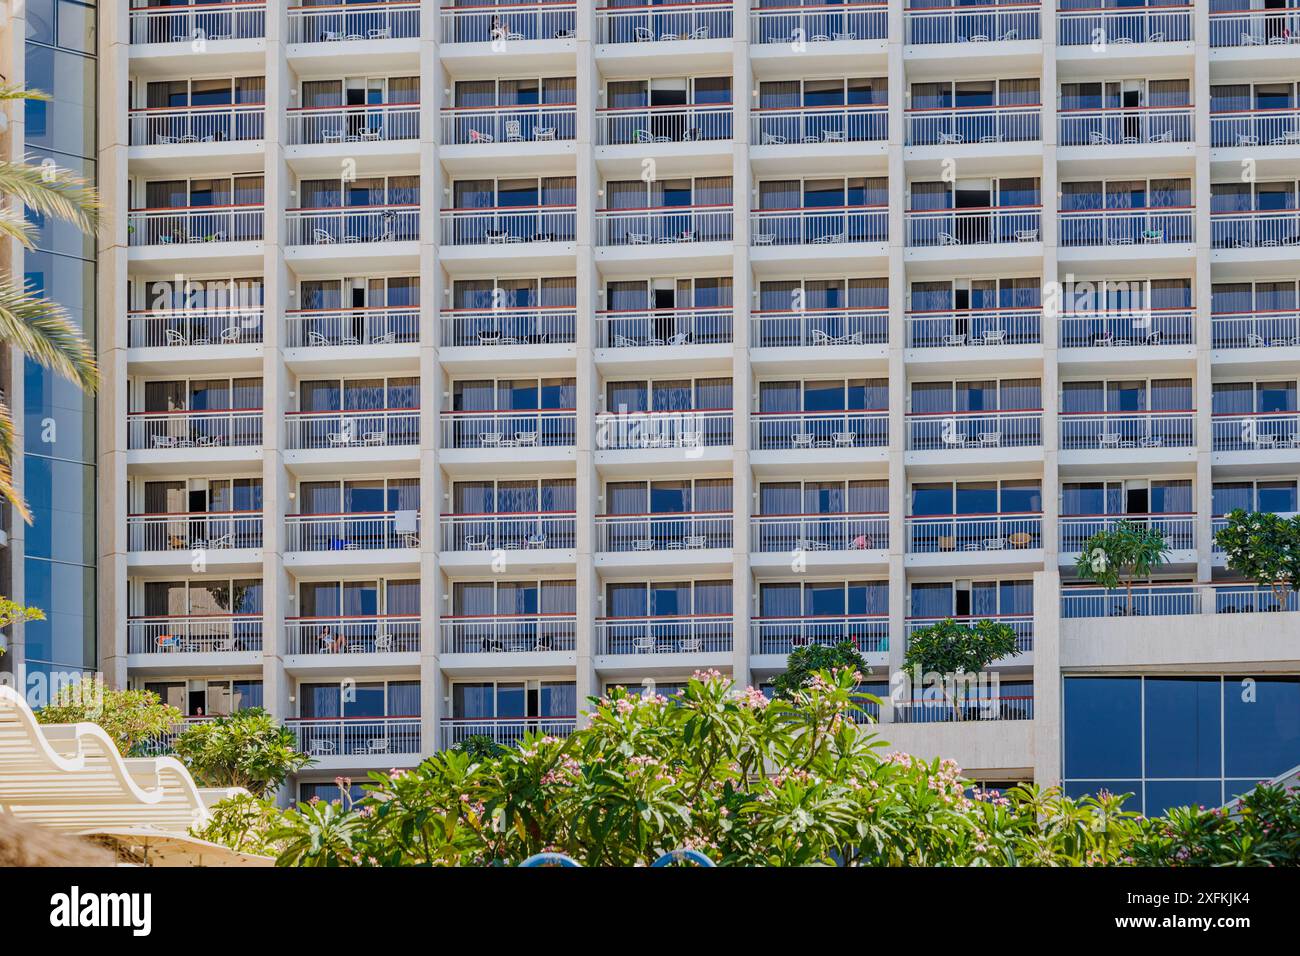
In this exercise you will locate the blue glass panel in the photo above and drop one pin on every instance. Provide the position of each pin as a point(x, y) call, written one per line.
point(1261, 719)
point(1163, 794)
point(1182, 727)
point(1103, 727)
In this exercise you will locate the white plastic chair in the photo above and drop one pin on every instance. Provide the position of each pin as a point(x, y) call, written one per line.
point(514, 131)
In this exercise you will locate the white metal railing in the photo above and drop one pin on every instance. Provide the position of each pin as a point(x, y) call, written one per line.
point(508, 124)
point(640, 227)
point(1252, 598)
point(688, 531)
point(509, 23)
point(194, 327)
point(1251, 128)
point(1022, 624)
point(818, 226)
point(943, 431)
point(163, 227)
point(382, 20)
point(506, 731)
point(188, 531)
point(371, 634)
point(377, 737)
point(819, 532)
point(324, 227)
point(793, 329)
point(372, 123)
point(955, 329)
point(647, 125)
point(819, 23)
point(1256, 431)
point(1248, 230)
point(866, 428)
point(976, 24)
point(515, 531)
point(965, 125)
point(352, 428)
point(508, 633)
point(162, 743)
point(509, 429)
point(780, 635)
point(468, 227)
point(1100, 27)
point(170, 126)
point(1114, 430)
point(935, 534)
point(697, 634)
point(1126, 126)
point(1179, 529)
point(965, 227)
point(207, 429)
point(353, 531)
point(1248, 330)
point(196, 634)
point(1140, 327)
point(1127, 227)
point(684, 429)
point(1246, 27)
point(198, 23)
point(973, 708)
point(527, 326)
point(325, 328)
point(1146, 600)
point(642, 328)
point(659, 22)
point(819, 124)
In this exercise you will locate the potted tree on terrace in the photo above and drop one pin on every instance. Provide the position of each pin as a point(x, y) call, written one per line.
point(1120, 555)
point(955, 649)
point(1265, 548)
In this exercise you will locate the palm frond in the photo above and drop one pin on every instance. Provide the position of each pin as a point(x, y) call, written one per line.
point(12, 91)
point(14, 225)
point(51, 191)
point(43, 331)
point(7, 490)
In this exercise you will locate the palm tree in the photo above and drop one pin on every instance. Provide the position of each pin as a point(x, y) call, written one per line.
point(37, 327)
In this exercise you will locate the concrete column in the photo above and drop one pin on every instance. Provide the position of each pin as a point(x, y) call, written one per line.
point(1047, 677)
point(1201, 282)
point(743, 486)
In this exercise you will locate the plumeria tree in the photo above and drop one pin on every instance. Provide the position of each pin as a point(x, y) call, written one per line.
point(803, 662)
point(1265, 548)
point(955, 649)
point(1125, 552)
point(11, 612)
point(246, 749)
point(130, 717)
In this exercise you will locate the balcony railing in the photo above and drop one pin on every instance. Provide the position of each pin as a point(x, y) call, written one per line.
point(678, 21)
point(863, 428)
point(168, 126)
point(967, 125)
point(1250, 230)
point(383, 20)
point(508, 633)
point(698, 634)
point(377, 737)
point(1256, 431)
point(967, 227)
point(353, 531)
point(177, 24)
point(506, 731)
point(182, 225)
point(1158, 600)
point(1179, 529)
point(1126, 126)
point(685, 429)
point(162, 743)
point(641, 328)
point(527, 326)
point(508, 124)
point(353, 428)
point(956, 329)
point(373, 123)
point(509, 24)
point(973, 709)
point(686, 531)
point(819, 23)
point(1274, 27)
point(208, 429)
point(818, 226)
point(1122, 27)
point(515, 531)
point(820, 532)
point(1251, 128)
point(1127, 227)
point(1022, 624)
point(951, 431)
point(471, 227)
point(780, 635)
point(978, 25)
point(329, 328)
point(187, 531)
point(196, 634)
point(1102, 431)
point(1255, 330)
point(670, 224)
point(377, 634)
point(646, 125)
point(356, 224)
point(937, 534)
point(551, 428)
point(794, 329)
point(1143, 327)
point(819, 124)
point(194, 327)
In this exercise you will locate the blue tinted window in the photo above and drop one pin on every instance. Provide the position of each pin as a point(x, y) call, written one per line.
point(1182, 727)
point(1261, 720)
point(1163, 794)
point(1102, 727)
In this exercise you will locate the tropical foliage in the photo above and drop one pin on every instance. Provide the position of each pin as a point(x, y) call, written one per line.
point(1126, 552)
point(12, 612)
point(130, 717)
point(953, 650)
point(1263, 547)
point(247, 749)
point(804, 662)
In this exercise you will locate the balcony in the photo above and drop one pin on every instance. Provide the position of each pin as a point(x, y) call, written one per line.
point(502, 125)
point(664, 23)
point(1274, 28)
point(655, 126)
point(1153, 229)
point(355, 225)
point(1150, 327)
point(640, 637)
point(207, 226)
point(808, 431)
point(1257, 432)
point(816, 328)
point(1256, 129)
point(819, 24)
point(967, 328)
point(189, 126)
point(353, 532)
point(203, 330)
point(1160, 600)
point(218, 534)
point(385, 20)
point(823, 539)
point(963, 431)
point(506, 731)
point(224, 428)
point(516, 23)
point(330, 638)
point(1257, 230)
point(509, 634)
point(976, 536)
point(351, 430)
point(641, 329)
point(687, 429)
point(1022, 624)
point(1179, 531)
point(956, 228)
point(184, 24)
point(353, 125)
point(664, 226)
point(973, 710)
point(333, 328)
point(974, 126)
point(985, 24)
point(780, 635)
point(1125, 127)
point(509, 431)
point(161, 744)
point(662, 533)
point(172, 639)
point(512, 231)
point(818, 226)
point(1257, 330)
point(815, 126)
point(1116, 431)
point(1123, 27)
point(479, 538)
point(358, 742)
point(522, 334)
